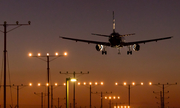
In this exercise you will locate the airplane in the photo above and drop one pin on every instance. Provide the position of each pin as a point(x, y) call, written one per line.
point(116, 40)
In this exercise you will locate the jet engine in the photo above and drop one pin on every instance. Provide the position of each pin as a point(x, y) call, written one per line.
point(136, 47)
point(99, 47)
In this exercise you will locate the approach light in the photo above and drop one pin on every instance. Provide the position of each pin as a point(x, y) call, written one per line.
point(65, 53)
point(64, 84)
point(133, 83)
point(55, 84)
point(142, 83)
point(114, 97)
point(39, 54)
point(84, 83)
point(150, 83)
point(47, 54)
point(30, 54)
point(90, 83)
point(96, 83)
point(39, 84)
point(56, 54)
point(30, 84)
point(109, 97)
point(125, 83)
point(105, 97)
point(116, 83)
point(102, 83)
point(79, 83)
point(47, 84)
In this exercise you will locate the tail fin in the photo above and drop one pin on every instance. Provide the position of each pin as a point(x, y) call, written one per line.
point(113, 23)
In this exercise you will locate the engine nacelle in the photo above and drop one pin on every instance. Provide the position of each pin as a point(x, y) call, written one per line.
point(136, 47)
point(99, 47)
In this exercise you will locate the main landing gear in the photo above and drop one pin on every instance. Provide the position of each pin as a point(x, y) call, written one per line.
point(104, 52)
point(130, 51)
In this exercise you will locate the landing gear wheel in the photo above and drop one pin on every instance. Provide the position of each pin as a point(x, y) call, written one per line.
point(129, 52)
point(104, 52)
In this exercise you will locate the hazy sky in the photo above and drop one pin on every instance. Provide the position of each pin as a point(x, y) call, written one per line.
point(157, 62)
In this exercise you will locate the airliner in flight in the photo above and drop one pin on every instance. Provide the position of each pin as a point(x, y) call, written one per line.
point(116, 40)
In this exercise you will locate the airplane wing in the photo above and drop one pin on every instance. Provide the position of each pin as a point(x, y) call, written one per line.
point(145, 41)
point(86, 41)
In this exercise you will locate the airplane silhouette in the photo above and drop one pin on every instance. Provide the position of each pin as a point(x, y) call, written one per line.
point(116, 40)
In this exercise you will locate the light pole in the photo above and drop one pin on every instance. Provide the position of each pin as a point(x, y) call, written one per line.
point(110, 98)
point(129, 87)
point(162, 94)
point(58, 102)
point(18, 91)
point(5, 25)
point(90, 87)
point(42, 95)
point(74, 73)
point(52, 86)
point(47, 56)
point(67, 90)
point(101, 93)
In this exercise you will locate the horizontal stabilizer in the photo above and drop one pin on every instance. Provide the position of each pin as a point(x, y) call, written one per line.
point(127, 34)
point(100, 35)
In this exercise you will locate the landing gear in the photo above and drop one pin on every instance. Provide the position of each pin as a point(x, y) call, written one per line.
point(104, 52)
point(129, 52)
point(119, 51)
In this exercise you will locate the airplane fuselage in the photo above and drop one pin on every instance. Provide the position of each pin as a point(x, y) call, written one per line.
point(115, 40)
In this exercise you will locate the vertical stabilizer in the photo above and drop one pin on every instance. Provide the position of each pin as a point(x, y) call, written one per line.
point(113, 23)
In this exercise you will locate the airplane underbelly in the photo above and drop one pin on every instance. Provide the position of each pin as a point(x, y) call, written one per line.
point(115, 43)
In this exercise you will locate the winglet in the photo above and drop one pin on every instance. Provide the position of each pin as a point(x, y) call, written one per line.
point(60, 36)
